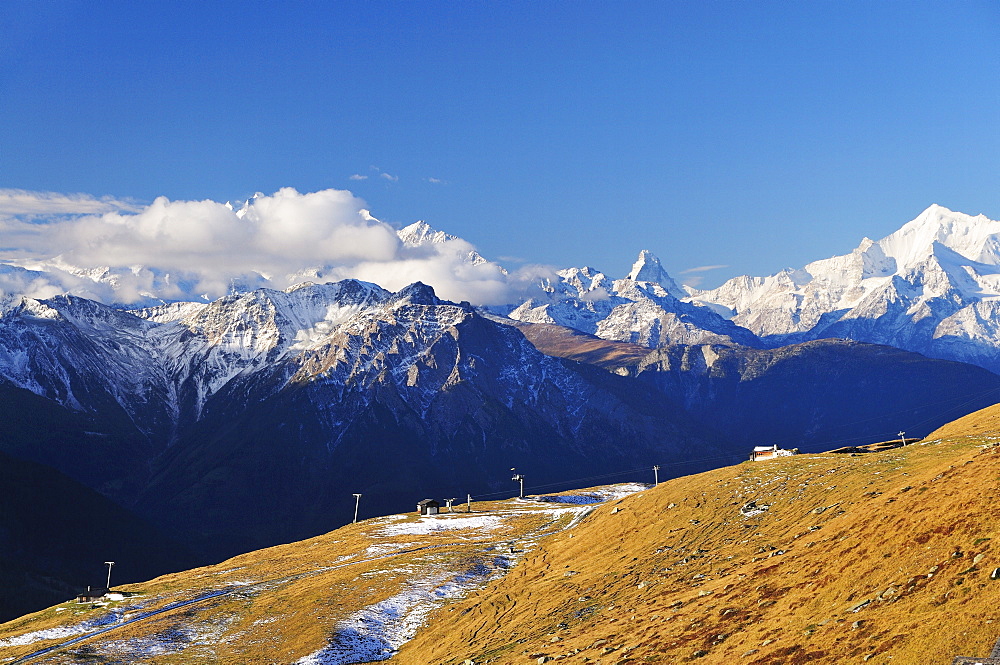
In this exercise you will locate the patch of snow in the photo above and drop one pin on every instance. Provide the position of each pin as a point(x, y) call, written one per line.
point(572, 498)
point(383, 549)
point(376, 632)
point(60, 632)
point(432, 524)
point(596, 495)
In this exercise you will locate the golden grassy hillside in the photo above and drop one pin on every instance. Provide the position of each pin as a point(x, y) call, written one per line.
point(978, 423)
point(882, 558)
point(378, 578)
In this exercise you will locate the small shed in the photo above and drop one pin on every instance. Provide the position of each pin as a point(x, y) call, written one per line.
point(428, 507)
point(90, 595)
point(770, 452)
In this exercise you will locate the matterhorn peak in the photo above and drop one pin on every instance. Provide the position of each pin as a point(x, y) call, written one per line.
point(647, 268)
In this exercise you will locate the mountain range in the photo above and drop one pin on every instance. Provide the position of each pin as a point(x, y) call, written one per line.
point(932, 287)
point(245, 421)
point(207, 417)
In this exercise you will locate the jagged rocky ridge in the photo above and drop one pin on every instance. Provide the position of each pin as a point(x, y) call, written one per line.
point(645, 308)
point(247, 421)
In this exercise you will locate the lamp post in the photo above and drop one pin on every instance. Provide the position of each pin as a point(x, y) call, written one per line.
point(518, 478)
point(357, 501)
point(109, 564)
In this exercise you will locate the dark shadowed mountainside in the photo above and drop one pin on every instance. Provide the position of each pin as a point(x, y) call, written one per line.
point(56, 534)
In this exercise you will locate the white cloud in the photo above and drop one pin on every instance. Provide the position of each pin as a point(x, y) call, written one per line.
point(701, 269)
point(358, 176)
point(23, 203)
point(178, 250)
point(436, 181)
point(389, 177)
point(595, 294)
point(697, 280)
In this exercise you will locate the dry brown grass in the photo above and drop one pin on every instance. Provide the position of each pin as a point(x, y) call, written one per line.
point(287, 600)
point(562, 342)
point(670, 575)
point(648, 584)
point(978, 423)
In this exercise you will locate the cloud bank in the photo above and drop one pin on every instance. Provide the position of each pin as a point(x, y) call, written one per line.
point(26, 204)
point(116, 251)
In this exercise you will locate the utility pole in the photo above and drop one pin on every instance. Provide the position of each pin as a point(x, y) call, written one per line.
point(449, 502)
point(902, 437)
point(656, 475)
point(468, 503)
point(109, 564)
point(357, 501)
point(518, 478)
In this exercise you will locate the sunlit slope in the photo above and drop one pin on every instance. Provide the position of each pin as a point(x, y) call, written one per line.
point(883, 558)
point(352, 595)
point(829, 558)
point(978, 423)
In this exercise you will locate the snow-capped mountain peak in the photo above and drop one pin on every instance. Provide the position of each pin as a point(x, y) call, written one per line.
point(933, 286)
point(647, 268)
point(421, 233)
point(976, 238)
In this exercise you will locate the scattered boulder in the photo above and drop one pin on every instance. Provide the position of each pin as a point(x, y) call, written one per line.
point(857, 607)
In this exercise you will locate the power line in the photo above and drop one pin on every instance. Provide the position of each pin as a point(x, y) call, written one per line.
point(609, 475)
point(938, 414)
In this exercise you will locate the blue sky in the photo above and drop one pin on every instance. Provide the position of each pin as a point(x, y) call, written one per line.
point(751, 135)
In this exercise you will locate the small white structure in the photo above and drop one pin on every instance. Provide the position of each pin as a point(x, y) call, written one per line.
point(770, 452)
point(428, 507)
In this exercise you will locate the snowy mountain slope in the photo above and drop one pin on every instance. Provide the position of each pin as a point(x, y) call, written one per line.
point(293, 390)
point(161, 364)
point(86, 356)
point(643, 308)
point(419, 234)
point(418, 393)
point(933, 287)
